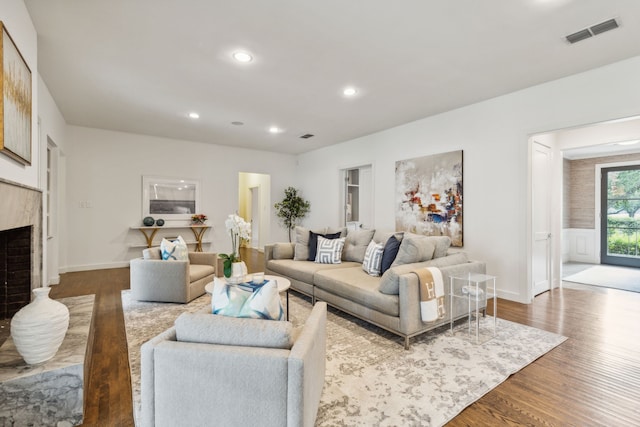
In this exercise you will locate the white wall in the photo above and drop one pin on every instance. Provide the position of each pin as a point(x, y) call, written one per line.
point(494, 136)
point(105, 169)
point(16, 19)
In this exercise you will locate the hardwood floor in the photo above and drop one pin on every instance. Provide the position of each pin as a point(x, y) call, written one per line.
point(592, 379)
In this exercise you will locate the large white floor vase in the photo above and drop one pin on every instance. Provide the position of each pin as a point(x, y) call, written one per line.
point(39, 328)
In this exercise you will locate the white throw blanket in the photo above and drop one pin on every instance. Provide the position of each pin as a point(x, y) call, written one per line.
point(431, 293)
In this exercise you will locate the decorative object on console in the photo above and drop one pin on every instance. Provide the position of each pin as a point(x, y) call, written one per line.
point(39, 328)
point(429, 196)
point(15, 101)
point(160, 222)
point(198, 219)
point(239, 230)
point(148, 221)
point(291, 209)
point(174, 250)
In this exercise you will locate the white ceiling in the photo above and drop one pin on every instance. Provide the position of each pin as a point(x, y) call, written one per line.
point(141, 66)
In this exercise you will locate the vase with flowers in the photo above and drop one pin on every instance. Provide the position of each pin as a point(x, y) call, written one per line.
point(198, 219)
point(239, 230)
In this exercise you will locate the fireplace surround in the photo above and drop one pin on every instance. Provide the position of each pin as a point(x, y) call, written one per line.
point(21, 211)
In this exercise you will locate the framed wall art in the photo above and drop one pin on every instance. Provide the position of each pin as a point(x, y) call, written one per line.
point(170, 198)
point(429, 196)
point(15, 117)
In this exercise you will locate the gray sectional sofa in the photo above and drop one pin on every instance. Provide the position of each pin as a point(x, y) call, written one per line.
point(391, 301)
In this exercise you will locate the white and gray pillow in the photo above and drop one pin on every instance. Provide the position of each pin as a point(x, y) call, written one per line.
point(372, 262)
point(329, 250)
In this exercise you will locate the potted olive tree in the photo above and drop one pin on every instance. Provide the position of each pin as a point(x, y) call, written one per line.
point(291, 209)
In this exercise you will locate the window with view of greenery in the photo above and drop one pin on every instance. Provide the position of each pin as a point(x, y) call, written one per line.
point(623, 216)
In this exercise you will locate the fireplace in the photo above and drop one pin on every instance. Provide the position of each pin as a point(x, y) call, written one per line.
point(15, 270)
point(20, 245)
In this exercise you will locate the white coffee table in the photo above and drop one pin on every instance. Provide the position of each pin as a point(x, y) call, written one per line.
point(282, 282)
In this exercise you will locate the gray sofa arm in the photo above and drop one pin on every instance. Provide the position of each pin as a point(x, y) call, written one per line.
point(409, 296)
point(307, 364)
point(158, 280)
point(147, 374)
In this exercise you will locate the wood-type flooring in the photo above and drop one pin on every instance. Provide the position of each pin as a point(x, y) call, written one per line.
point(593, 379)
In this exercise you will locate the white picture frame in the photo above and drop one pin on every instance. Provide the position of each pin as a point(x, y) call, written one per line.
point(170, 199)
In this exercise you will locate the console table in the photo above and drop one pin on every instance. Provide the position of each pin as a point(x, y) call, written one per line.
point(150, 232)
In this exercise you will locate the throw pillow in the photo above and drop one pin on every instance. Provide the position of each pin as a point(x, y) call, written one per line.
point(414, 248)
point(329, 250)
point(356, 244)
point(373, 259)
point(442, 244)
point(174, 250)
point(389, 253)
point(301, 248)
point(313, 242)
point(233, 301)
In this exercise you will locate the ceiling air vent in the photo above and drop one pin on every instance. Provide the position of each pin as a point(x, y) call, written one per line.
point(306, 136)
point(592, 31)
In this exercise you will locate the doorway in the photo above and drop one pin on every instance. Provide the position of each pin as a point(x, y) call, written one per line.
point(620, 216)
point(254, 201)
point(541, 217)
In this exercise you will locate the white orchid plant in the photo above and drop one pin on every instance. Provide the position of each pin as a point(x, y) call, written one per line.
point(239, 230)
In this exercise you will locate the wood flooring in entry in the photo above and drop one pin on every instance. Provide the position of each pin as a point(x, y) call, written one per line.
point(593, 379)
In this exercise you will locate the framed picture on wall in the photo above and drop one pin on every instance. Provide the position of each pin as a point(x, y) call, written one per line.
point(170, 198)
point(15, 117)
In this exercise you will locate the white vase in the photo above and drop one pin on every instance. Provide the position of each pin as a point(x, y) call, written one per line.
point(238, 270)
point(39, 328)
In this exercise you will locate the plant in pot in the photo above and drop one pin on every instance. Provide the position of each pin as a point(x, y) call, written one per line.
point(291, 209)
point(239, 230)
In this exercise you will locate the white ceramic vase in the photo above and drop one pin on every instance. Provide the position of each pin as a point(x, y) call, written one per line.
point(39, 328)
point(238, 270)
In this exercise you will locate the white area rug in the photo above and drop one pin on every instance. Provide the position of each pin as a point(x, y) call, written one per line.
point(627, 279)
point(371, 380)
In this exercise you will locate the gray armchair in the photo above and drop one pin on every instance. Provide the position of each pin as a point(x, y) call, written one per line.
point(215, 370)
point(153, 279)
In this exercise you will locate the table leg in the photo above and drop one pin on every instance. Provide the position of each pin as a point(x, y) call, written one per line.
point(287, 304)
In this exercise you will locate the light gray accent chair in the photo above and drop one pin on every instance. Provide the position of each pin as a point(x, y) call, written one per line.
point(215, 370)
point(153, 279)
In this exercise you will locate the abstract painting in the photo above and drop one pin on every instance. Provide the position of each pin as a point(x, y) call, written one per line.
point(15, 117)
point(429, 196)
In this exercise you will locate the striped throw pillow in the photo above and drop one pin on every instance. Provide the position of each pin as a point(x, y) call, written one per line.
point(329, 250)
point(372, 263)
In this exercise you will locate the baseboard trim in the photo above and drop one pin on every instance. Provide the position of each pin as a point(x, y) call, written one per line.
point(87, 267)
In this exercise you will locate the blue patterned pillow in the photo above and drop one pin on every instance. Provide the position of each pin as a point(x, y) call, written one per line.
point(174, 250)
point(329, 250)
point(373, 259)
point(233, 301)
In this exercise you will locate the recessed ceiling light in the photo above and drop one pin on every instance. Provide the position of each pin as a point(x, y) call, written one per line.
point(349, 91)
point(241, 56)
point(237, 123)
point(275, 129)
point(194, 115)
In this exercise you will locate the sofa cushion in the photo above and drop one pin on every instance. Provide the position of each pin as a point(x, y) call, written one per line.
point(390, 281)
point(373, 259)
point(442, 244)
point(391, 247)
point(356, 244)
point(313, 242)
point(357, 286)
point(211, 329)
point(414, 248)
point(383, 236)
point(283, 250)
point(152, 253)
point(303, 270)
point(301, 248)
point(329, 250)
point(199, 271)
point(174, 250)
point(262, 303)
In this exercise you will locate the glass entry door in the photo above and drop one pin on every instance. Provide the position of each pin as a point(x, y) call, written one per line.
point(620, 216)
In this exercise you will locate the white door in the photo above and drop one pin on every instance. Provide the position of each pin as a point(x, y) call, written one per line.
point(541, 217)
point(255, 217)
